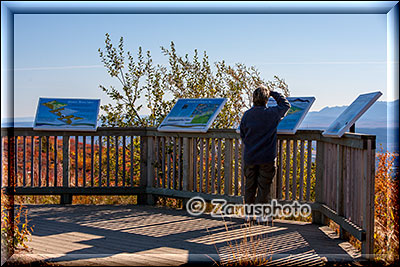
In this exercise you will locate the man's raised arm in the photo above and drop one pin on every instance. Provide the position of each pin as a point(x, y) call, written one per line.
point(283, 104)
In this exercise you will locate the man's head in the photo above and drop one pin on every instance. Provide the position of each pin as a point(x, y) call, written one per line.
point(260, 96)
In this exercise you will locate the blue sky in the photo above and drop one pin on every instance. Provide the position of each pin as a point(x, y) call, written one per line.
point(332, 57)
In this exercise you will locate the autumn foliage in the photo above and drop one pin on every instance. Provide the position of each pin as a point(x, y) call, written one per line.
point(14, 234)
point(386, 208)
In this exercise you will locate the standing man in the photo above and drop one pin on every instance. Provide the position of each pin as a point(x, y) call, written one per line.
point(258, 129)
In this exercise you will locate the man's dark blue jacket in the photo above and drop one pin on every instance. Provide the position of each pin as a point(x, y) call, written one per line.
point(258, 130)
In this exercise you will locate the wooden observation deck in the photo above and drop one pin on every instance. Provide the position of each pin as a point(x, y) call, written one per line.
point(335, 176)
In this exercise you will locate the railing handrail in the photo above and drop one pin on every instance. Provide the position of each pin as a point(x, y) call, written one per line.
point(355, 140)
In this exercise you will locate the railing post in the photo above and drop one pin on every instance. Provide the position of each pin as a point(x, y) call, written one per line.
point(144, 198)
point(150, 198)
point(187, 164)
point(317, 216)
point(143, 161)
point(228, 167)
point(367, 245)
point(187, 172)
point(339, 185)
point(66, 198)
point(279, 173)
point(150, 163)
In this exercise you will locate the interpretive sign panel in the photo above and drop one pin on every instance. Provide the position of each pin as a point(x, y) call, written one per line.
point(295, 115)
point(298, 110)
point(351, 114)
point(192, 115)
point(67, 114)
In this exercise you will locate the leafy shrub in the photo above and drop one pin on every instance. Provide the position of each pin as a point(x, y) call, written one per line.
point(15, 232)
point(386, 209)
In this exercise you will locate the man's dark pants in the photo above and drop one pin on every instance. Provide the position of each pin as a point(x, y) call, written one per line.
point(258, 176)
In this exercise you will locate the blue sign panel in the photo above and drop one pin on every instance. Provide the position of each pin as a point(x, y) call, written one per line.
point(192, 115)
point(67, 114)
point(298, 110)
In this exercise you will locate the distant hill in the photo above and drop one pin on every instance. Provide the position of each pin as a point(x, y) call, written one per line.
point(375, 117)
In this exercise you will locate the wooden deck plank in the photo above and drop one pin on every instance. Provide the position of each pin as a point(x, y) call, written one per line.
point(147, 235)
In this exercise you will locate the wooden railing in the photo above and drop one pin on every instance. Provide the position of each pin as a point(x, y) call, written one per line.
point(334, 175)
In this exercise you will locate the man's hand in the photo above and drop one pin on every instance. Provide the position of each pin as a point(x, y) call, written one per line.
point(274, 94)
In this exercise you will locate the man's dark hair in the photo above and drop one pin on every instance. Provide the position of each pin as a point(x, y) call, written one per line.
point(260, 96)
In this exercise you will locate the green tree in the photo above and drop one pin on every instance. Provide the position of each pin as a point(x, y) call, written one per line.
point(181, 78)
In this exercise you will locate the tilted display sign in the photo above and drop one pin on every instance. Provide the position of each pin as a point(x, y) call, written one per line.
point(67, 114)
point(192, 115)
point(298, 110)
point(351, 114)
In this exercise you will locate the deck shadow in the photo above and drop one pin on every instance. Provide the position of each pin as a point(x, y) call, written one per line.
point(149, 235)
